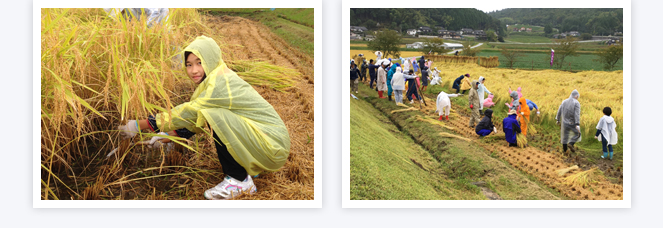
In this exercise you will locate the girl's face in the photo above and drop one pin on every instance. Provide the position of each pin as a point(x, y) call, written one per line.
point(194, 68)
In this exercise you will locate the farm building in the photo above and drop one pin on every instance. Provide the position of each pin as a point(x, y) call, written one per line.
point(466, 31)
point(412, 32)
point(369, 37)
point(415, 45)
point(452, 46)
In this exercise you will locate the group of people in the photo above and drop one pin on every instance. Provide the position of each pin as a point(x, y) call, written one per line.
point(393, 77)
point(397, 78)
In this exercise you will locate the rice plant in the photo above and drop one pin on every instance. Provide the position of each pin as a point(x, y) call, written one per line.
point(97, 72)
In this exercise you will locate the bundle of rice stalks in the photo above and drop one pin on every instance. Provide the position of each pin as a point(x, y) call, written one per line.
point(561, 172)
point(584, 178)
point(530, 127)
point(436, 122)
point(260, 73)
point(404, 110)
point(444, 134)
point(521, 140)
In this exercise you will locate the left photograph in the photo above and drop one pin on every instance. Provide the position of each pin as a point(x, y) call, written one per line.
point(177, 104)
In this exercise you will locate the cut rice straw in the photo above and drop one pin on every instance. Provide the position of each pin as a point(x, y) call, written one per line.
point(404, 110)
point(434, 122)
point(444, 134)
point(561, 172)
point(583, 178)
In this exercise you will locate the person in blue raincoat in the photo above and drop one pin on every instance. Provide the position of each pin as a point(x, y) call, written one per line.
point(390, 75)
point(511, 128)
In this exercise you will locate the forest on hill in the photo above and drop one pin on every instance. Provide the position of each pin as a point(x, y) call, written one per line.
point(586, 20)
point(400, 19)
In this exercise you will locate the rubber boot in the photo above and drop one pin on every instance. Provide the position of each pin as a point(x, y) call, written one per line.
point(447, 117)
point(572, 148)
point(610, 155)
point(380, 93)
point(440, 118)
point(605, 154)
point(389, 97)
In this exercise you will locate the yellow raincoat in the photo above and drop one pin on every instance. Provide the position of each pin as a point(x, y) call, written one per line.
point(465, 84)
point(247, 124)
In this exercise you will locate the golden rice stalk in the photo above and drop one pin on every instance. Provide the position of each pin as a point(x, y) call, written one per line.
point(444, 134)
point(521, 140)
point(260, 73)
point(434, 122)
point(583, 178)
point(404, 110)
point(561, 172)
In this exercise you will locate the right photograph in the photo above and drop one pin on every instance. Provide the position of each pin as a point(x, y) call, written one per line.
point(488, 104)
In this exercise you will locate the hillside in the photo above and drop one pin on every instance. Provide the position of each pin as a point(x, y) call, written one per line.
point(586, 20)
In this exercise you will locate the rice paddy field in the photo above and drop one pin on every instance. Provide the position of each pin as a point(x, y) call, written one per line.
point(98, 72)
point(582, 175)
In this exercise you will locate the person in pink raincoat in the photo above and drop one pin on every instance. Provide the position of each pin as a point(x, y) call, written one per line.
point(488, 102)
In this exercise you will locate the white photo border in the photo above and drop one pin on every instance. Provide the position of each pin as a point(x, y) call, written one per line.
point(37, 202)
point(345, 34)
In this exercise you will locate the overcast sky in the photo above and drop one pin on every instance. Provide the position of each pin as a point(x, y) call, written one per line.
point(488, 9)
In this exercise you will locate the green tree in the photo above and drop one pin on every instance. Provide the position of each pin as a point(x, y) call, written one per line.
point(434, 46)
point(468, 50)
point(563, 48)
point(387, 42)
point(510, 55)
point(586, 36)
point(610, 56)
point(492, 37)
point(548, 29)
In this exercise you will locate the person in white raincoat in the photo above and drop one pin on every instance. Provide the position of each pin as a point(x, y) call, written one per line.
point(249, 135)
point(606, 129)
point(382, 78)
point(379, 55)
point(482, 89)
point(437, 80)
point(444, 104)
point(568, 115)
point(398, 85)
point(406, 65)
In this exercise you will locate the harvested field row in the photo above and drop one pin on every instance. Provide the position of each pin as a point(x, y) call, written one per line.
point(540, 164)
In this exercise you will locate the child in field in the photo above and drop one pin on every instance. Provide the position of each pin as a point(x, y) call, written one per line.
point(444, 104)
point(485, 126)
point(398, 85)
point(249, 135)
point(412, 87)
point(511, 127)
point(606, 129)
point(488, 102)
point(437, 80)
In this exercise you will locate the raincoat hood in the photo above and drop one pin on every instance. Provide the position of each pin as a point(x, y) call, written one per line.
point(514, 95)
point(475, 84)
point(488, 113)
point(609, 119)
point(575, 94)
point(481, 78)
point(208, 51)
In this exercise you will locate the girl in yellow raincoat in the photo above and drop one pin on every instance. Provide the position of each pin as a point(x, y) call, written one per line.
point(250, 137)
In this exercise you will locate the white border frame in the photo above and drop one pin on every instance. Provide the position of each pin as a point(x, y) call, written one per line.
point(37, 202)
point(345, 34)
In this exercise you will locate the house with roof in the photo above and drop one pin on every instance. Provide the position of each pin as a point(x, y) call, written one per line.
point(412, 32)
point(369, 37)
point(466, 31)
point(424, 29)
point(358, 29)
point(574, 33)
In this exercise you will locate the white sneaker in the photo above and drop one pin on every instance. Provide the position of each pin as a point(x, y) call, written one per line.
point(412, 102)
point(230, 188)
